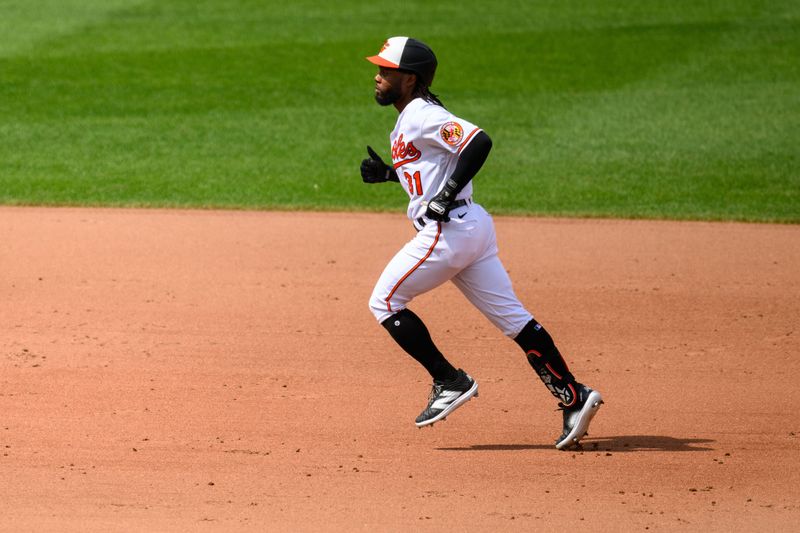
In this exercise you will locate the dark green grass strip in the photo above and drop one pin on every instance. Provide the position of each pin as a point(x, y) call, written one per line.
point(678, 110)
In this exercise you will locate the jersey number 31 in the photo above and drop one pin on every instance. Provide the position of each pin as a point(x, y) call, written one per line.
point(414, 182)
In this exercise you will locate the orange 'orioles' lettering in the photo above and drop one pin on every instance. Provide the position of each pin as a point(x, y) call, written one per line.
point(403, 153)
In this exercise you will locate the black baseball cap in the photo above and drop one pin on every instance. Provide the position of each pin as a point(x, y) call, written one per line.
point(405, 53)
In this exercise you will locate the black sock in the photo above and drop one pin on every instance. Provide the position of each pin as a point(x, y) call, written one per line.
point(547, 361)
point(408, 330)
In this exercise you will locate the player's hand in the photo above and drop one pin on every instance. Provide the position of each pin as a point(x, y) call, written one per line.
point(374, 170)
point(438, 208)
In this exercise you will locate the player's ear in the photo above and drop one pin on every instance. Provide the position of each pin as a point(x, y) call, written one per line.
point(410, 81)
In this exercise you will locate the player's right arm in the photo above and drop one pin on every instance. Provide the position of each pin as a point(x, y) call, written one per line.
point(374, 170)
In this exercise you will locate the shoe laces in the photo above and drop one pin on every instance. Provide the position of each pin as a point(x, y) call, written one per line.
point(436, 390)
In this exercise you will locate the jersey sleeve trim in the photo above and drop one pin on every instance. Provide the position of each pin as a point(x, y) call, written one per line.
point(468, 139)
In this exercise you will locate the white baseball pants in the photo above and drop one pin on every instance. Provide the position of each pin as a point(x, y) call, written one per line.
point(463, 250)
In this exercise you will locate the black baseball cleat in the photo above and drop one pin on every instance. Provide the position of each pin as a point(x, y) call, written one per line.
point(578, 417)
point(446, 397)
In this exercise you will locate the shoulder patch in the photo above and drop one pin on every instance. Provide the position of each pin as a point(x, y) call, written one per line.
point(451, 133)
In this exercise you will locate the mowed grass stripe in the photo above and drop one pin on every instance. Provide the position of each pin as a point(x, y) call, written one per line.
point(662, 146)
point(657, 110)
point(26, 25)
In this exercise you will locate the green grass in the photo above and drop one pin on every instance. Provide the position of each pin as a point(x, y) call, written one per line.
point(682, 109)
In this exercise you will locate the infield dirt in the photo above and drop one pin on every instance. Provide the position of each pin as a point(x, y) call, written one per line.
point(220, 371)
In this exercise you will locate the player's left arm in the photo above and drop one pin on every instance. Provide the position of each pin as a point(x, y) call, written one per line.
point(469, 163)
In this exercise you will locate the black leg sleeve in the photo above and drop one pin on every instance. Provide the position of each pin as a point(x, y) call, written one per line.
point(408, 330)
point(547, 361)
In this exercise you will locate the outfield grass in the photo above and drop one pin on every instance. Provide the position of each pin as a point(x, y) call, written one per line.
point(681, 109)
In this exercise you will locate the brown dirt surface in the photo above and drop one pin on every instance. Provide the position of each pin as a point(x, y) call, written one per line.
point(221, 371)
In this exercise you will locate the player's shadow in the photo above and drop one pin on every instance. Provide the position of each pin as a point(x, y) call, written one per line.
point(622, 443)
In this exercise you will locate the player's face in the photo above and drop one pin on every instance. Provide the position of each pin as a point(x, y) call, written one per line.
point(391, 86)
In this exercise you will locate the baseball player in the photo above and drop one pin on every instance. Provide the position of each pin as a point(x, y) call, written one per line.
point(434, 156)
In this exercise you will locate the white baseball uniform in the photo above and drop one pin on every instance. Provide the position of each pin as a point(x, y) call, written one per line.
point(426, 143)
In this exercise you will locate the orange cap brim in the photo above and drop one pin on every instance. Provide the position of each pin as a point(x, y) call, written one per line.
point(381, 62)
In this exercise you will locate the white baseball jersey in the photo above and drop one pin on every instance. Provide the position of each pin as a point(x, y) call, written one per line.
point(426, 142)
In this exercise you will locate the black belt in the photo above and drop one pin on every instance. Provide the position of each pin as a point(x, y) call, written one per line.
point(460, 203)
point(455, 205)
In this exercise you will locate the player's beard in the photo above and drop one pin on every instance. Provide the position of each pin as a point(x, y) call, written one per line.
point(387, 98)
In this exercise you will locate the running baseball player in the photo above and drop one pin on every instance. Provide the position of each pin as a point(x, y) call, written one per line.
point(434, 157)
